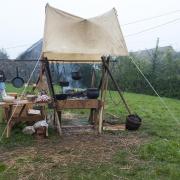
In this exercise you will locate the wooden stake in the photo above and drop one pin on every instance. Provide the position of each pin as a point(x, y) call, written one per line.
point(100, 120)
point(104, 85)
point(51, 89)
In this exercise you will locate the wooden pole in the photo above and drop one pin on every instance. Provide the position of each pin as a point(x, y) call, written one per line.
point(49, 78)
point(91, 116)
point(40, 77)
point(58, 123)
point(101, 88)
point(100, 120)
point(104, 84)
point(106, 80)
point(116, 85)
point(103, 96)
point(51, 89)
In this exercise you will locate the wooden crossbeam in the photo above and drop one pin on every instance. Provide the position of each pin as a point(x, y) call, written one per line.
point(78, 104)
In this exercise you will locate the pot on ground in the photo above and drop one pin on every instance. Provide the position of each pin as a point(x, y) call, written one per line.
point(133, 122)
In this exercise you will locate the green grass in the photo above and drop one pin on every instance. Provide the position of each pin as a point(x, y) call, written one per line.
point(157, 156)
point(2, 167)
point(11, 88)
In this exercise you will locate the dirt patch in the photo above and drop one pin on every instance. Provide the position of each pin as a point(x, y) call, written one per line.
point(59, 152)
point(65, 151)
point(73, 148)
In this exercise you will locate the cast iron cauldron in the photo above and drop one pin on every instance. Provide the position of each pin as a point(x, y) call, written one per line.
point(76, 74)
point(92, 93)
point(133, 122)
point(63, 80)
point(60, 96)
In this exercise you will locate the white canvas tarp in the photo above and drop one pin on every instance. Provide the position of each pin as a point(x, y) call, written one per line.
point(68, 37)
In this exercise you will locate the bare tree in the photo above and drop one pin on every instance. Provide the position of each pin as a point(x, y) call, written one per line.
point(3, 54)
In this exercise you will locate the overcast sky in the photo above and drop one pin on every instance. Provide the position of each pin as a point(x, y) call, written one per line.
point(22, 21)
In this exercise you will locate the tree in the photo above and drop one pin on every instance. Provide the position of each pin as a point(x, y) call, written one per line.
point(3, 54)
point(171, 67)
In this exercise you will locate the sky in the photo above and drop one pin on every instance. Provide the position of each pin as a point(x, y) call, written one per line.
point(22, 21)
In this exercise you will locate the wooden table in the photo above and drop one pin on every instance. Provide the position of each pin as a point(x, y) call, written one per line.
point(94, 105)
point(16, 111)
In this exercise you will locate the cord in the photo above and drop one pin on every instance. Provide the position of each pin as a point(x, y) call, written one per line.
point(160, 98)
point(150, 18)
point(151, 28)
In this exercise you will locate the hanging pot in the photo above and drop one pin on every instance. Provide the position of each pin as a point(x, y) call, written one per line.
point(76, 74)
point(133, 122)
point(63, 81)
point(92, 93)
point(17, 82)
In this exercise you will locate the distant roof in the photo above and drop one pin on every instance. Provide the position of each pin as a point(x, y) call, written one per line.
point(32, 53)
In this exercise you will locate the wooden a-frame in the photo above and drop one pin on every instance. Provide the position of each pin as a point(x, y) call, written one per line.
point(96, 106)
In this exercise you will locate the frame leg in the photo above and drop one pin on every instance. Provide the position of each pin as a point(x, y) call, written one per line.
point(91, 116)
point(8, 130)
point(58, 122)
point(100, 120)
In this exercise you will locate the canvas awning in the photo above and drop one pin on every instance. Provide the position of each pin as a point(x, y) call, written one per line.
point(68, 37)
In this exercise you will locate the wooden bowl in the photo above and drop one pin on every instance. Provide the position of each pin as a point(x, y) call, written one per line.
point(8, 99)
point(12, 94)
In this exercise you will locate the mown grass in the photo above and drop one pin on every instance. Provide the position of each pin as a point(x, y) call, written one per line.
point(156, 157)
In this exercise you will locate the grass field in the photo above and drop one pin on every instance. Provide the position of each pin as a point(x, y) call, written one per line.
point(152, 152)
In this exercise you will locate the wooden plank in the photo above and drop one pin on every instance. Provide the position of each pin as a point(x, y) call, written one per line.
point(78, 104)
point(28, 118)
point(114, 128)
point(21, 102)
point(78, 129)
point(78, 126)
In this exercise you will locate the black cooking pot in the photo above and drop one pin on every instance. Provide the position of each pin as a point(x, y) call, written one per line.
point(92, 93)
point(76, 74)
point(60, 96)
point(133, 122)
point(63, 83)
point(17, 81)
point(63, 80)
